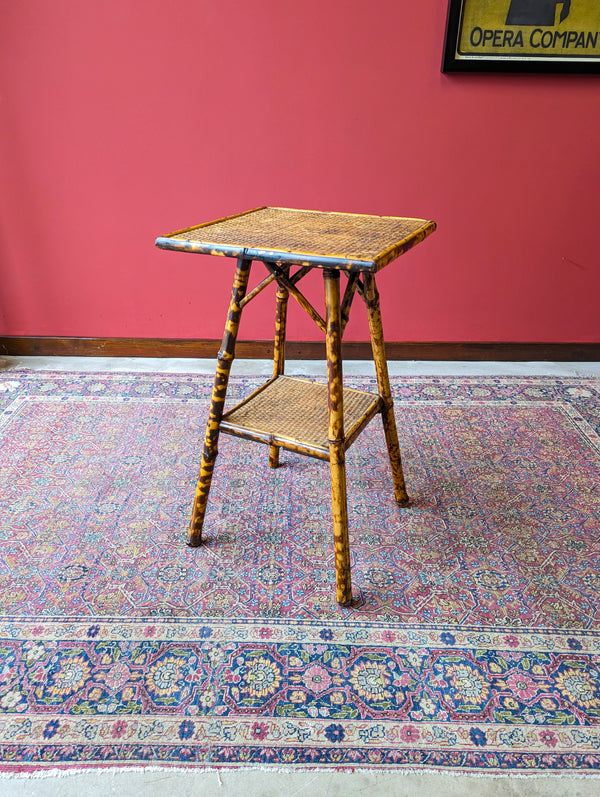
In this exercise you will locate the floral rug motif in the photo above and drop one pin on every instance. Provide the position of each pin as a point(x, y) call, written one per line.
point(473, 639)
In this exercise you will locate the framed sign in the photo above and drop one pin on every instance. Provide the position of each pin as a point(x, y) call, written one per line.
point(522, 36)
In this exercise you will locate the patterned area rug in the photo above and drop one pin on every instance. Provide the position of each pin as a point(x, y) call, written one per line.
point(473, 640)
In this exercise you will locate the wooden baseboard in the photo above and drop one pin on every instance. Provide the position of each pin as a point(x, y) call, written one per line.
point(296, 350)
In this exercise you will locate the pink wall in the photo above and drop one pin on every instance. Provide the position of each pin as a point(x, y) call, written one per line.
point(126, 119)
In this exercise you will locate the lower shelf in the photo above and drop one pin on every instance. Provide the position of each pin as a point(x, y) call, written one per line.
point(292, 413)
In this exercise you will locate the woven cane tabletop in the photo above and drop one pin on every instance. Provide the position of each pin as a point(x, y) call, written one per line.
point(305, 237)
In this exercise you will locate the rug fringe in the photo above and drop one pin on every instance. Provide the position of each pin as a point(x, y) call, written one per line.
point(190, 771)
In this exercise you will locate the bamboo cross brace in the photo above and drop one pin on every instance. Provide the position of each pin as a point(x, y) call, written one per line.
point(351, 287)
point(259, 288)
point(360, 289)
point(302, 272)
point(283, 280)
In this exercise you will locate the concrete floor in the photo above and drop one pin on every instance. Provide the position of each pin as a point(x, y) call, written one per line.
point(302, 367)
point(257, 783)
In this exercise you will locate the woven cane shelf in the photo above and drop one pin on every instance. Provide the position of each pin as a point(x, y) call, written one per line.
point(292, 413)
point(345, 241)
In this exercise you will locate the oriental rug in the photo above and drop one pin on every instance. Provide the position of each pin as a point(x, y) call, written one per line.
point(473, 642)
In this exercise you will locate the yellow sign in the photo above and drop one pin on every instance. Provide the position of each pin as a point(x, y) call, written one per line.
point(539, 30)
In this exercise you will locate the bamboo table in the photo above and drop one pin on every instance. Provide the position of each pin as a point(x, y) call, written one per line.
point(319, 420)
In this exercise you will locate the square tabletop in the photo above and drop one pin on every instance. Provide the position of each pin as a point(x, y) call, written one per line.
point(346, 241)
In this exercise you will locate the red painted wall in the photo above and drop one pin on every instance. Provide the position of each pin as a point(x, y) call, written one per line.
point(126, 119)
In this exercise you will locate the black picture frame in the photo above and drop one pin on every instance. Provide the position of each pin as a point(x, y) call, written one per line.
point(510, 58)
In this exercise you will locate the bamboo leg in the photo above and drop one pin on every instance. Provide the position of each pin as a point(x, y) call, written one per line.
point(224, 361)
point(337, 459)
point(383, 382)
point(279, 354)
